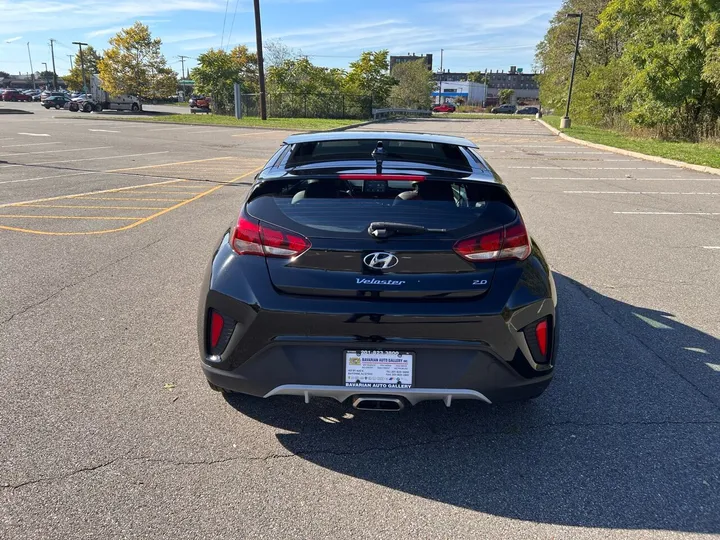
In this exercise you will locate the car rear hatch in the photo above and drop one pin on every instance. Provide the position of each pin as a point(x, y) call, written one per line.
point(392, 236)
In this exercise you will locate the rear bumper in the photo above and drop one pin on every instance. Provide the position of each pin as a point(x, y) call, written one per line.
point(295, 345)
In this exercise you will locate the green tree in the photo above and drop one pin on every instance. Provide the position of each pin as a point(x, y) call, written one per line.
point(414, 86)
point(673, 47)
point(133, 64)
point(477, 77)
point(369, 76)
point(597, 54)
point(4, 75)
point(218, 71)
point(300, 76)
point(90, 61)
point(505, 95)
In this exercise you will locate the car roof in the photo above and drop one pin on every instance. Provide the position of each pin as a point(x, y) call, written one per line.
point(379, 135)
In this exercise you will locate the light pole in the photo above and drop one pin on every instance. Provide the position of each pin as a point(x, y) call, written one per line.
point(82, 64)
point(565, 120)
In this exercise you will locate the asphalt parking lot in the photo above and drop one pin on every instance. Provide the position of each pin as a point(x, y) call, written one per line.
point(110, 431)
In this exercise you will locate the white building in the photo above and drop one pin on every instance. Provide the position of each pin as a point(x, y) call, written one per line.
point(448, 91)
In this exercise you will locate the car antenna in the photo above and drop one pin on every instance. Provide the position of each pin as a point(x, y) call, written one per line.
point(379, 155)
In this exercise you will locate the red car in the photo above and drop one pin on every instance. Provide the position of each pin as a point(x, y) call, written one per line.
point(444, 107)
point(14, 95)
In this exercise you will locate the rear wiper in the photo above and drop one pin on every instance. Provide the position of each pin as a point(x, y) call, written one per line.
point(384, 229)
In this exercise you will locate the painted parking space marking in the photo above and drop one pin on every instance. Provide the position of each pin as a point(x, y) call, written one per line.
point(711, 247)
point(54, 151)
point(617, 178)
point(104, 130)
point(65, 217)
point(83, 159)
point(124, 199)
point(35, 134)
point(595, 168)
point(644, 192)
point(102, 207)
point(30, 144)
point(49, 177)
point(669, 213)
point(136, 221)
point(168, 164)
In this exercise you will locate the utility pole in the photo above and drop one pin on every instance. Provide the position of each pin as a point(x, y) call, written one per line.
point(70, 56)
point(82, 64)
point(47, 82)
point(565, 120)
point(32, 71)
point(261, 68)
point(182, 61)
point(52, 53)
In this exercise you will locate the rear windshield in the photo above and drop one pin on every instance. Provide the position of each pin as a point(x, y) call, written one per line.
point(353, 149)
point(350, 206)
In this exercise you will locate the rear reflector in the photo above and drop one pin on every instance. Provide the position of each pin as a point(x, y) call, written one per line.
point(216, 328)
point(387, 177)
point(541, 333)
point(250, 238)
point(510, 242)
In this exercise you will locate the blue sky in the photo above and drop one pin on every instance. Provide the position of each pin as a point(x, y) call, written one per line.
point(476, 35)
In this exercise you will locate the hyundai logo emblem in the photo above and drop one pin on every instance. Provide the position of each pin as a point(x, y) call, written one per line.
point(380, 260)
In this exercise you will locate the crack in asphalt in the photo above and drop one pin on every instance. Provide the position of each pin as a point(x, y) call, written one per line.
point(637, 338)
point(79, 281)
point(513, 430)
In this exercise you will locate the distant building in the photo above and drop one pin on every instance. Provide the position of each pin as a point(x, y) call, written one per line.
point(472, 93)
point(524, 85)
point(395, 60)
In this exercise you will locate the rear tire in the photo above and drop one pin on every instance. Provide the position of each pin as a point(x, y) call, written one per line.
point(135, 107)
point(57, 107)
point(87, 108)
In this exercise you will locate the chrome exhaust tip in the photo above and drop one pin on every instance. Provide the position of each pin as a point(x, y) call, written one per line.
point(378, 403)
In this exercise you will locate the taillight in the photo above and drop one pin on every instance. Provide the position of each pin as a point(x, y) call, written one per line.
point(251, 238)
point(509, 242)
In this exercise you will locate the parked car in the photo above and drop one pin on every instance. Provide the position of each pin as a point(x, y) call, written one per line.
point(504, 109)
point(199, 102)
point(444, 107)
point(15, 95)
point(55, 101)
point(382, 286)
point(527, 110)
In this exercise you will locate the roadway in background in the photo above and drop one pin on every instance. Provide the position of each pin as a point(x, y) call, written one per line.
point(110, 431)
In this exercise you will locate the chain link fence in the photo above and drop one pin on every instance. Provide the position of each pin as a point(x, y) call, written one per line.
point(286, 105)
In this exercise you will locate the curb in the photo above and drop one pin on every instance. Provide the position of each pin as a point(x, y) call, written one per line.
point(630, 153)
point(262, 128)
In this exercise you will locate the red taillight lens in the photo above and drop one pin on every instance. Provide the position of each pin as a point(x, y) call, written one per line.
point(251, 238)
point(541, 333)
point(216, 328)
point(510, 242)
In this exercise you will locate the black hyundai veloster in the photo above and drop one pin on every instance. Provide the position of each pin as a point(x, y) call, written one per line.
point(380, 268)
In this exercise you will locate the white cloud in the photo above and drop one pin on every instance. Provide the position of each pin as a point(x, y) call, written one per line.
point(13, 39)
point(104, 32)
point(187, 36)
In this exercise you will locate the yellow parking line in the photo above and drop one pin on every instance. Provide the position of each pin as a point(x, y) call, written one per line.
point(166, 192)
point(94, 207)
point(114, 190)
point(140, 221)
point(64, 217)
point(168, 164)
point(123, 199)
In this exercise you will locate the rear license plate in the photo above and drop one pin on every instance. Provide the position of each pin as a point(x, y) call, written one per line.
point(379, 369)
